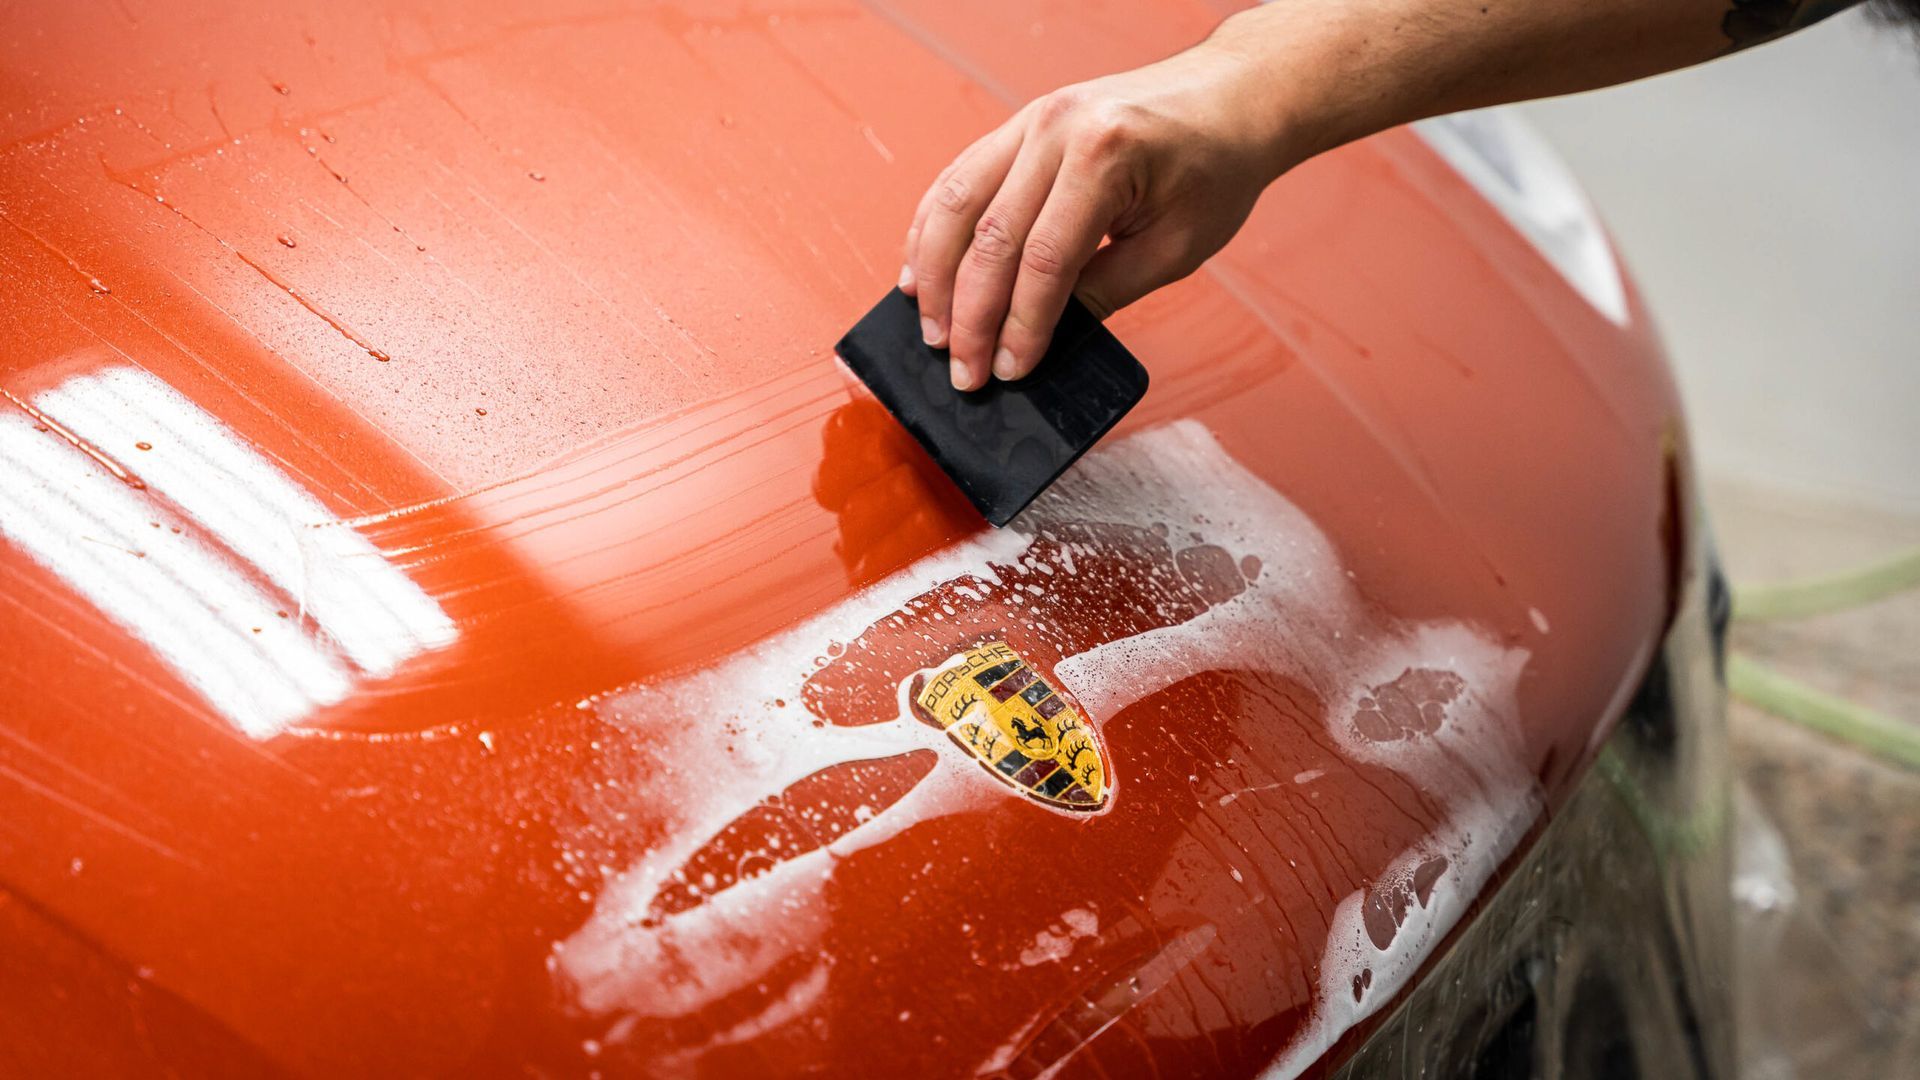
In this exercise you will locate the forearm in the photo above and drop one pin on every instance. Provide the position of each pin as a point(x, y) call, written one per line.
point(1114, 187)
point(1343, 69)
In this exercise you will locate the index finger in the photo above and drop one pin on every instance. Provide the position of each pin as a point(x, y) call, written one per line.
point(908, 280)
point(948, 229)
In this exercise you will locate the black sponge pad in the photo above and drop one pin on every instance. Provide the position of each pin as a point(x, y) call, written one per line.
point(1002, 444)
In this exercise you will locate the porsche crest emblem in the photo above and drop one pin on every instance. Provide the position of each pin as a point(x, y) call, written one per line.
point(1018, 727)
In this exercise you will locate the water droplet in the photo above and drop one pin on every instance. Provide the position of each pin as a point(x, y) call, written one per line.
point(480, 412)
point(486, 740)
point(287, 241)
point(99, 287)
point(537, 175)
point(282, 89)
point(143, 445)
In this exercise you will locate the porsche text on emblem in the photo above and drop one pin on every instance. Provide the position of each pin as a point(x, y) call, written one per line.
point(1012, 721)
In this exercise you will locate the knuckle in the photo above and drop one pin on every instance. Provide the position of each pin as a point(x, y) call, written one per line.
point(1044, 255)
point(1113, 129)
point(973, 325)
point(1019, 330)
point(951, 194)
point(972, 340)
point(976, 313)
point(1058, 105)
point(992, 240)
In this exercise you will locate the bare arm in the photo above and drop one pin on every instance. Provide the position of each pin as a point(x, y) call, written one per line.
point(1164, 163)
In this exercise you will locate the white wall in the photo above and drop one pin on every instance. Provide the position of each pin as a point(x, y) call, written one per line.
point(1769, 206)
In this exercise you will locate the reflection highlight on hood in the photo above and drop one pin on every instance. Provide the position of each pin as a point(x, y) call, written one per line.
point(237, 578)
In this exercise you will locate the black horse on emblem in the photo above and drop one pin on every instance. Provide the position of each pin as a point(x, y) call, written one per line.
point(1031, 736)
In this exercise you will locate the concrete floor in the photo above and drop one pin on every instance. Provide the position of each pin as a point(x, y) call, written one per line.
point(1830, 980)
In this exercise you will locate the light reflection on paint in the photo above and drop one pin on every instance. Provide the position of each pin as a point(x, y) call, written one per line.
point(1512, 165)
point(247, 586)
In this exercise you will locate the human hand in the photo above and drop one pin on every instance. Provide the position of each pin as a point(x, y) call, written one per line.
point(1165, 161)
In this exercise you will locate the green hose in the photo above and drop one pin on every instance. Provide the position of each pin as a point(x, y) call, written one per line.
point(1790, 699)
point(1838, 592)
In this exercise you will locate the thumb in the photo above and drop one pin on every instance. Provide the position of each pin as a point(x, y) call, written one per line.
point(1130, 268)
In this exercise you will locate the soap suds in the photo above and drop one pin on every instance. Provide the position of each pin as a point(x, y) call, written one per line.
point(1055, 942)
point(1432, 701)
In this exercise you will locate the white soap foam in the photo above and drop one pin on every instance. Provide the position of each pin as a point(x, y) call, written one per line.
point(1303, 619)
point(1300, 617)
point(1055, 942)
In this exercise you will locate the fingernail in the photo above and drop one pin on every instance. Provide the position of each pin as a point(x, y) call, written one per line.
point(906, 277)
point(1003, 364)
point(962, 379)
point(930, 330)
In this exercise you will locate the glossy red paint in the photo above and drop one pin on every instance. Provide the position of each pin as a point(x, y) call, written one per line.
point(536, 301)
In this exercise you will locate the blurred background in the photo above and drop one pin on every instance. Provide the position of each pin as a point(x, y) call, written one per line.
point(1769, 206)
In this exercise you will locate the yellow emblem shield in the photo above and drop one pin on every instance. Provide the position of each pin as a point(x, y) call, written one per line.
point(1014, 723)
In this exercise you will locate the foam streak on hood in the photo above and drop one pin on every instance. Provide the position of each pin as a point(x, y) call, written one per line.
point(1432, 701)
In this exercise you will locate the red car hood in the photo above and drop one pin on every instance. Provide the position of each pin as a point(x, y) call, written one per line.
point(457, 616)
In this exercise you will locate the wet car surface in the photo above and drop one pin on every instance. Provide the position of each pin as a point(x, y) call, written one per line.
point(458, 618)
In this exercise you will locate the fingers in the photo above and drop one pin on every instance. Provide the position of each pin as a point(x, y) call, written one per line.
point(1077, 213)
point(1013, 228)
point(955, 206)
point(983, 284)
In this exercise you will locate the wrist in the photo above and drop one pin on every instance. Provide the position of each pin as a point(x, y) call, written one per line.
point(1311, 75)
